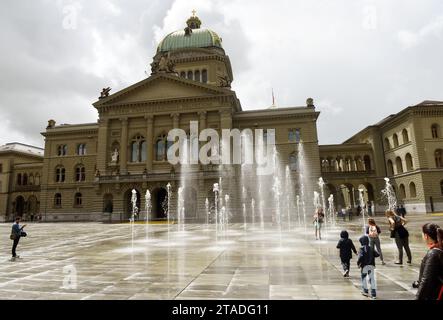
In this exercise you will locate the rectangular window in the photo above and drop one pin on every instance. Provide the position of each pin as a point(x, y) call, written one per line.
point(1, 168)
point(294, 135)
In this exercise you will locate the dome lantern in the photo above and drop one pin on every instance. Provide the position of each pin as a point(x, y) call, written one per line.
point(194, 22)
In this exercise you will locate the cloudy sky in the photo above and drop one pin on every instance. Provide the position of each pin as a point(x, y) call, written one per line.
point(360, 60)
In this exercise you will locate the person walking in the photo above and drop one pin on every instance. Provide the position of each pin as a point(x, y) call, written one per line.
point(430, 280)
point(350, 213)
point(318, 222)
point(373, 232)
point(366, 262)
point(400, 234)
point(346, 247)
point(16, 233)
point(369, 209)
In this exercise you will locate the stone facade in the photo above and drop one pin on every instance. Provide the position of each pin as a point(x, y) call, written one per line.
point(88, 171)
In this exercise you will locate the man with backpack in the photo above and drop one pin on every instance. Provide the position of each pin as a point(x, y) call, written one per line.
point(16, 233)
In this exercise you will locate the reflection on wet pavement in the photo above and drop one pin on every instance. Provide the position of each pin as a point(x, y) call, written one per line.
point(101, 261)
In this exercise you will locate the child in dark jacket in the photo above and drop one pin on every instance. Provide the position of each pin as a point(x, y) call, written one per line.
point(366, 262)
point(346, 247)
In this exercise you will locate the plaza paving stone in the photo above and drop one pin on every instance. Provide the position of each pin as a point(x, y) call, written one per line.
point(241, 263)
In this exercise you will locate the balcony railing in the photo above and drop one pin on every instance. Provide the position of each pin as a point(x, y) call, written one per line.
point(158, 176)
point(18, 188)
point(348, 173)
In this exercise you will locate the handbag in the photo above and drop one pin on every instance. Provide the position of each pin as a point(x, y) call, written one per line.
point(23, 234)
point(12, 236)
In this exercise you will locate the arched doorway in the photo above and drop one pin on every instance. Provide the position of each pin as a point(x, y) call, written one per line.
point(159, 203)
point(32, 206)
point(346, 195)
point(190, 203)
point(108, 204)
point(19, 206)
point(128, 203)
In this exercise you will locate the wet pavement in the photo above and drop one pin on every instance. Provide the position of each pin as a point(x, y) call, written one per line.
point(108, 261)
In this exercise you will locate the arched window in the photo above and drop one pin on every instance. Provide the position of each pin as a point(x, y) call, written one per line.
point(183, 74)
point(197, 75)
point(60, 174)
point(80, 174)
point(37, 179)
point(81, 149)
point(190, 75)
point(395, 139)
point(367, 161)
point(441, 187)
point(293, 162)
point(387, 144)
point(25, 180)
point(439, 158)
point(138, 149)
point(399, 165)
point(359, 163)
point(412, 190)
point(62, 150)
point(204, 76)
point(390, 168)
point(19, 179)
point(348, 163)
point(78, 200)
point(58, 200)
point(31, 180)
point(402, 191)
point(405, 135)
point(160, 148)
point(435, 131)
point(409, 163)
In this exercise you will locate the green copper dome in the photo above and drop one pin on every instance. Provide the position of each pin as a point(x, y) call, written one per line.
point(191, 37)
point(198, 38)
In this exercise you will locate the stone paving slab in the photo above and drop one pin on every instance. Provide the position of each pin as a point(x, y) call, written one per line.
point(105, 261)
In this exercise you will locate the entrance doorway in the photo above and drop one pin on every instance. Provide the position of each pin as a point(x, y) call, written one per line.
point(159, 203)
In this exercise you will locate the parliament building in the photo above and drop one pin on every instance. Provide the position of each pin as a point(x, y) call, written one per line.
point(86, 172)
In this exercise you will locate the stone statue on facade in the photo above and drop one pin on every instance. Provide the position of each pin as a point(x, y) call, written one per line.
point(164, 64)
point(105, 93)
point(224, 81)
point(114, 156)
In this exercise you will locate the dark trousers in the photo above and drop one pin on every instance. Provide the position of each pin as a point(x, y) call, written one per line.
point(403, 243)
point(14, 246)
point(346, 264)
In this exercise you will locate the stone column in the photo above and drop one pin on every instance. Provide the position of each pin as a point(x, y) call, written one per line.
point(202, 115)
point(202, 123)
point(102, 149)
point(175, 120)
point(149, 141)
point(124, 147)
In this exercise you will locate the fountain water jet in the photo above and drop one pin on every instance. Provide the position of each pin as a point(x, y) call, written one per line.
point(331, 209)
point(180, 209)
point(216, 190)
point(362, 206)
point(207, 213)
point(389, 193)
point(321, 184)
point(148, 207)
